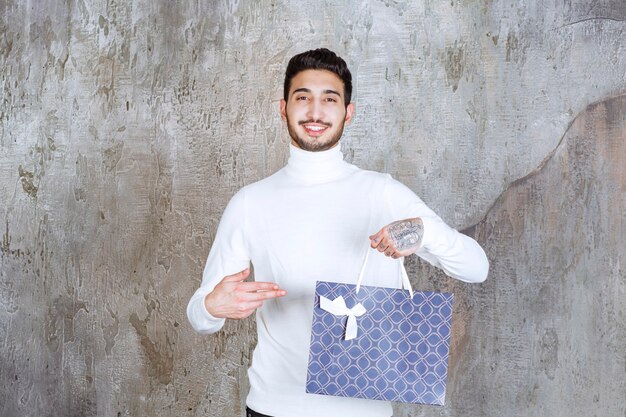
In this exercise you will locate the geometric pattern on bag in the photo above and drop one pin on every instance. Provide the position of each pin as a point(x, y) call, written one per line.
point(400, 352)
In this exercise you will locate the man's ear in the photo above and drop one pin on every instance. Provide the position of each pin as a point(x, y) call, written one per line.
point(283, 109)
point(349, 112)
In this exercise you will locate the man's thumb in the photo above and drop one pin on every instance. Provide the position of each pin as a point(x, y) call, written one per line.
point(239, 276)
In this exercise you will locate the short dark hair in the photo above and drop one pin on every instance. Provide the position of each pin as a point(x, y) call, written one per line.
point(319, 59)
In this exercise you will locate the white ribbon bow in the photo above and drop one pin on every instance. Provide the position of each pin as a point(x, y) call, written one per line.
point(338, 308)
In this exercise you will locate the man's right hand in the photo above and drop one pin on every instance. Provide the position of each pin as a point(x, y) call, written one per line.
point(234, 299)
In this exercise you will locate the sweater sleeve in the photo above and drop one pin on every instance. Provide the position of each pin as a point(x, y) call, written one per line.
point(229, 255)
point(459, 256)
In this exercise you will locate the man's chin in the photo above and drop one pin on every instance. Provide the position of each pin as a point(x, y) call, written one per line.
point(315, 145)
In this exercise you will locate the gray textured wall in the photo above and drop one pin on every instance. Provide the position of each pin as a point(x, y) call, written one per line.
point(125, 127)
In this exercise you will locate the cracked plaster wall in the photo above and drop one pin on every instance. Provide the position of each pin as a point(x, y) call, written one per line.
point(125, 127)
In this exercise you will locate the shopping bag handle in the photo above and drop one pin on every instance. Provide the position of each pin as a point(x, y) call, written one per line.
point(406, 284)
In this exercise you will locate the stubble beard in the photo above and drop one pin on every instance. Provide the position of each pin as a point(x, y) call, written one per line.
point(313, 144)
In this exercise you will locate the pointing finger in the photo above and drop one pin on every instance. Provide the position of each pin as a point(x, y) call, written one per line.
point(263, 295)
point(258, 286)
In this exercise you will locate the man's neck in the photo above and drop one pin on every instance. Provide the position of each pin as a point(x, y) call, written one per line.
point(316, 166)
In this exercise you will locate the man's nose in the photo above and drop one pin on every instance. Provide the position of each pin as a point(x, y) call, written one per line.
point(315, 110)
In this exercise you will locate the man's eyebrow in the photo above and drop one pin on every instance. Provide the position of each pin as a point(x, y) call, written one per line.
point(301, 90)
point(331, 92)
point(307, 90)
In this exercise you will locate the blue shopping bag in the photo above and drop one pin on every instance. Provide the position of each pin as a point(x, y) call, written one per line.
point(379, 343)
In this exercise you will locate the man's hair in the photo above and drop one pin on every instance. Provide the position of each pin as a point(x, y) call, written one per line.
point(319, 59)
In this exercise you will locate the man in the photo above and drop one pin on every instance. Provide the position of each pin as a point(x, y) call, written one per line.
point(311, 221)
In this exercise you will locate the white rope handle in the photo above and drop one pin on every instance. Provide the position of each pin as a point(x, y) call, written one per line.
point(406, 284)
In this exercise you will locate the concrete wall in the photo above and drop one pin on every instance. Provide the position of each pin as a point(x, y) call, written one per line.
point(125, 127)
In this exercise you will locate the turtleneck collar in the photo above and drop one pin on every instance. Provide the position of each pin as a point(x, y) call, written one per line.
point(315, 167)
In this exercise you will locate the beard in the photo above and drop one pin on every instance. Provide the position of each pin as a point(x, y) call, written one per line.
point(315, 144)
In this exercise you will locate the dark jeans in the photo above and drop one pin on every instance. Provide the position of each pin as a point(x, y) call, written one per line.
point(252, 413)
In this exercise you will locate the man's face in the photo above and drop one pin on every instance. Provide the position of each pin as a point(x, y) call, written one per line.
point(315, 110)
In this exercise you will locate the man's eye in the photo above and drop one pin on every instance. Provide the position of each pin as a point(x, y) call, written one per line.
point(301, 98)
point(332, 100)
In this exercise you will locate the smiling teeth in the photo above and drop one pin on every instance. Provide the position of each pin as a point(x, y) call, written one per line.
point(316, 128)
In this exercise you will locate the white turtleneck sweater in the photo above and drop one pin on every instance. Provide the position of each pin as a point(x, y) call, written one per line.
point(311, 221)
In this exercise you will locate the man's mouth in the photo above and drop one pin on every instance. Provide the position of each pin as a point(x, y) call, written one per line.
point(314, 129)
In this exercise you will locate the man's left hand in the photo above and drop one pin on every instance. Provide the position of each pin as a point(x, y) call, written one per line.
point(400, 238)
